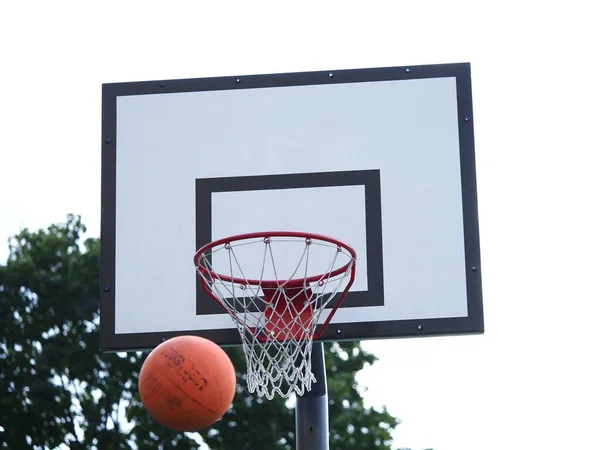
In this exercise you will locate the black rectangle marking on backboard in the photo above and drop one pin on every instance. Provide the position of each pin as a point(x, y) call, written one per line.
point(370, 179)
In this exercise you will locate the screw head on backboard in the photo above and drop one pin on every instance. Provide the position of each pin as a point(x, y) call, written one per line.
point(106, 288)
point(420, 327)
point(108, 140)
point(330, 74)
point(338, 331)
point(161, 84)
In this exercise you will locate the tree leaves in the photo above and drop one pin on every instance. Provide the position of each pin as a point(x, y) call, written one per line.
point(57, 388)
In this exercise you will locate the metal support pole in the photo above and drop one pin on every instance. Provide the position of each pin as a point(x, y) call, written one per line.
point(312, 408)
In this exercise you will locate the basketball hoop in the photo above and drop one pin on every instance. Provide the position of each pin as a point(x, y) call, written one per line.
point(276, 286)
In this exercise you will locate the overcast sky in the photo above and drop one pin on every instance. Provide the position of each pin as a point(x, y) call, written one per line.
point(531, 381)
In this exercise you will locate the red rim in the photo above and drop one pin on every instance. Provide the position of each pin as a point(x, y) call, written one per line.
point(268, 234)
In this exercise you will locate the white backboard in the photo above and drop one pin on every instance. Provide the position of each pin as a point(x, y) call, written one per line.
point(381, 159)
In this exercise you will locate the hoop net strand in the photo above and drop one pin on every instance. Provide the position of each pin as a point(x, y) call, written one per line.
point(277, 317)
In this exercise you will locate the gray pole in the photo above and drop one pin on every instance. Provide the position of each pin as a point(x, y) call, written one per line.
point(312, 408)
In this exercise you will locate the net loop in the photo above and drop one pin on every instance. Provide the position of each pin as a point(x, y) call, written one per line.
point(281, 289)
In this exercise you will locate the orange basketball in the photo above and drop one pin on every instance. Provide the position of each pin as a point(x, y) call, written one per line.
point(187, 383)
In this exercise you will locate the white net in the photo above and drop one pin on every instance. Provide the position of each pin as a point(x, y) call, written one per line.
point(269, 287)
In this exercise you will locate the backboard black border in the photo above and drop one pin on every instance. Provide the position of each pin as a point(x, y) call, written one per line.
point(473, 323)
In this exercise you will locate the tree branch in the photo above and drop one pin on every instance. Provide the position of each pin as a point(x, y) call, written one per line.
point(72, 427)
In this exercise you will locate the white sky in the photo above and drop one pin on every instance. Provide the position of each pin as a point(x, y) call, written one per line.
point(532, 380)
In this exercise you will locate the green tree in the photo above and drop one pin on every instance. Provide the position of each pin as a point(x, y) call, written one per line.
point(58, 391)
